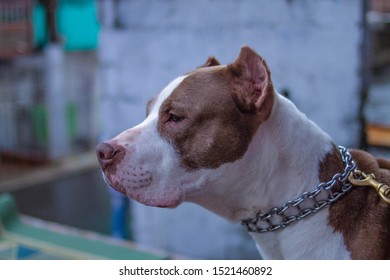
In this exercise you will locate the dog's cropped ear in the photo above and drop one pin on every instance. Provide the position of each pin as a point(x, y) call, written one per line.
point(253, 89)
point(211, 61)
point(150, 104)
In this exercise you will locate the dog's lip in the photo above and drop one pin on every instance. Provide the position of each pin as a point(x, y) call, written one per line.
point(168, 206)
point(158, 199)
point(113, 186)
point(105, 178)
point(136, 194)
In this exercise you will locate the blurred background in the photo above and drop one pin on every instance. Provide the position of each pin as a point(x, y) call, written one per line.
point(76, 72)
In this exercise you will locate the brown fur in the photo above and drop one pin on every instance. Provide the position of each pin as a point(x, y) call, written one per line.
point(211, 61)
point(207, 100)
point(212, 113)
point(361, 216)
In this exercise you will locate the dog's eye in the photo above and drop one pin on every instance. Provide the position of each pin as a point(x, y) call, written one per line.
point(175, 118)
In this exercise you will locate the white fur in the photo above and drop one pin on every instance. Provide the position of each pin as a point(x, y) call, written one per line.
point(153, 115)
point(302, 145)
point(309, 238)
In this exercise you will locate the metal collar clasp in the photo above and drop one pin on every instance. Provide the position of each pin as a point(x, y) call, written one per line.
point(359, 178)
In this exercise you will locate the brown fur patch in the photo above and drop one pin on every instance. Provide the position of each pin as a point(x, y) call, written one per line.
point(213, 128)
point(331, 165)
point(360, 216)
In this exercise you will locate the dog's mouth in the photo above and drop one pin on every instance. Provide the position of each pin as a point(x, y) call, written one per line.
point(145, 193)
point(116, 187)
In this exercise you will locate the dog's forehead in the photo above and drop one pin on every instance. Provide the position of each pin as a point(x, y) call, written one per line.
point(194, 80)
point(202, 88)
point(164, 94)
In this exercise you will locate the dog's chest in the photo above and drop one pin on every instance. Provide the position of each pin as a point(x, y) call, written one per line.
point(308, 239)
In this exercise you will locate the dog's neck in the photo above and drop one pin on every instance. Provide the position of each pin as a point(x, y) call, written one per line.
point(281, 162)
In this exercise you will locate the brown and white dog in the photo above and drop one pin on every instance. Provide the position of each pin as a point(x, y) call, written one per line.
point(221, 137)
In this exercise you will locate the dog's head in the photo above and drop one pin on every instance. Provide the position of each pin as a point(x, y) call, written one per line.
point(199, 123)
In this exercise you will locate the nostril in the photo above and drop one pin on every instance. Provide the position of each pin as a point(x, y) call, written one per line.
point(102, 155)
point(105, 151)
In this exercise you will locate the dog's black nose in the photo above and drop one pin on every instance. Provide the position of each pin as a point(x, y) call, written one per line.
point(105, 153)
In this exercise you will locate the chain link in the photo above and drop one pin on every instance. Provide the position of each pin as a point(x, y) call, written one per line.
point(263, 222)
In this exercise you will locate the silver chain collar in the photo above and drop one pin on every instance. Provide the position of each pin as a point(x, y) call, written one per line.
point(278, 217)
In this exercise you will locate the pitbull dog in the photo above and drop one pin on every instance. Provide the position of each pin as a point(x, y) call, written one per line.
point(221, 137)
